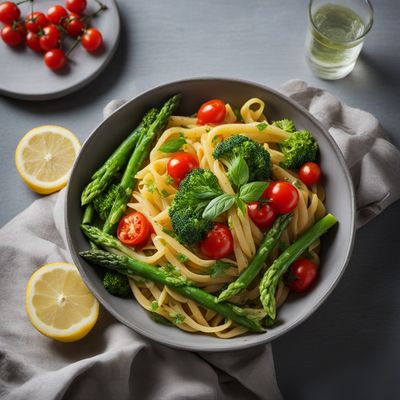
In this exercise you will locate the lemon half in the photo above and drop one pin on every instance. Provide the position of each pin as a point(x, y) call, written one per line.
point(44, 157)
point(59, 304)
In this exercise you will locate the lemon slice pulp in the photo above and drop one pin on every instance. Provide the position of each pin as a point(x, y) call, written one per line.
point(44, 157)
point(58, 303)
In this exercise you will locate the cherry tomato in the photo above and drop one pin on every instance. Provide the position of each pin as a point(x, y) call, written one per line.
point(36, 21)
point(50, 38)
point(74, 25)
point(13, 35)
point(302, 274)
point(263, 215)
point(180, 165)
point(218, 243)
point(310, 173)
point(211, 112)
point(56, 14)
point(283, 195)
point(32, 41)
point(92, 40)
point(76, 6)
point(55, 59)
point(9, 12)
point(134, 229)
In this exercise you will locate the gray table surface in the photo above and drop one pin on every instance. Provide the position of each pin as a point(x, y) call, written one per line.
point(350, 348)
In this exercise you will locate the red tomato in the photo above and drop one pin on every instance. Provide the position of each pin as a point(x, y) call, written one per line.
point(36, 21)
point(218, 242)
point(263, 215)
point(13, 35)
point(32, 41)
point(74, 25)
point(310, 173)
point(211, 112)
point(283, 195)
point(56, 14)
point(9, 12)
point(76, 6)
point(180, 165)
point(302, 274)
point(50, 38)
point(92, 40)
point(55, 59)
point(134, 229)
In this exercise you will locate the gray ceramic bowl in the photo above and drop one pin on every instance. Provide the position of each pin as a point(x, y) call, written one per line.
point(337, 244)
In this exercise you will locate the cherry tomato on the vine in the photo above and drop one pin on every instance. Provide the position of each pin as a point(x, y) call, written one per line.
point(9, 12)
point(180, 165)
point(310, 173)
point(76, 6)
point(211, 112)
point(33, 42)
point(55, 59)
point(50, 38)
point(218, 243)
point(74, 25)
point(56, 14)
point(302, 274)
point(283, 195)
point(35, 21)
point(92, 40)
point(263, 215)
point(13, 35)
point(134, 229)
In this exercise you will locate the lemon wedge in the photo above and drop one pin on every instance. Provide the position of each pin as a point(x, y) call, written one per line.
point(58, 303)
point(44, 157)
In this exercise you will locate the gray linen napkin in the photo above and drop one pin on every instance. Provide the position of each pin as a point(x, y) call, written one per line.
point(115, 362)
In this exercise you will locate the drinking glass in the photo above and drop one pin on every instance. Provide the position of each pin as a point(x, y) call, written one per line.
point(335, 36)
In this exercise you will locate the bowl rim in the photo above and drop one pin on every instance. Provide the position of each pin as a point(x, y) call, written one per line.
point(245, 344)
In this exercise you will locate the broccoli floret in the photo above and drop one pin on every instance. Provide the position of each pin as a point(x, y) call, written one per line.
point(195, 192)
point(117, 284)
point(257, 158)
point(285, 124)
point(298, 149)
point(103, 203)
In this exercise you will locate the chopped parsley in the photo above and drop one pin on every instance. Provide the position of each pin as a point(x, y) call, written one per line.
point(154, 305)
point(219, 268)
point(261, 126)
point(178, 318)
point(151, 186)
point(181, 257)
point(164, 193)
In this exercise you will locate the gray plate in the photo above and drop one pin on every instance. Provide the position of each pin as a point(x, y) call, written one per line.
point(25, 76)
point(337, 244)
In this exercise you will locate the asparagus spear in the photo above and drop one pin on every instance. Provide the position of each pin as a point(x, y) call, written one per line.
point(140, 153)
point(131, 267)
point(275, 272)
point(88, 215)
point(266, 246)
point(104, 175)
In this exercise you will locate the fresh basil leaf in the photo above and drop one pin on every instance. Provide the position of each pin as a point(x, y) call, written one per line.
point(238, 116)
point(261, 126)
point(219, 268)
point(218, 205)
point(241, 205)
point(173, 145)
point(252, 191)
point(239, 171)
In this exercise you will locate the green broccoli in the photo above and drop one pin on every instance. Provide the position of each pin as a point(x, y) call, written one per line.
point(286, 124)
point(298, 149)
point(256, 157)
point(103, 202)
point(196, 190)
point(117, 284)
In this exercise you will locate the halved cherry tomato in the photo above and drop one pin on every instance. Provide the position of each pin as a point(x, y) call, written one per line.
point(283, 195)
point(211, 112)
point(134, 229)
point(263, 215)
point(302, 274)
point(35, 21)
point(310, 173)
point(180, 165)
point(9, 12)
point(218, 243)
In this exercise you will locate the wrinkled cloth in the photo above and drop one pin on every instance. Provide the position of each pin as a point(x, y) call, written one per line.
point(113, 362)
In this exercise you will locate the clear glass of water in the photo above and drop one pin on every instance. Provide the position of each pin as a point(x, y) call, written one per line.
point(335, 36)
